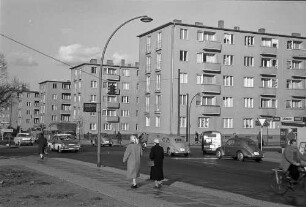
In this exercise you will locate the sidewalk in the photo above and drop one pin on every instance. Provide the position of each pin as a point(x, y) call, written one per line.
point(113, 183)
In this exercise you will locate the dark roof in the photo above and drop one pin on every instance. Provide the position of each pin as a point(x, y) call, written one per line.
point(55, 81)
point(105, 65)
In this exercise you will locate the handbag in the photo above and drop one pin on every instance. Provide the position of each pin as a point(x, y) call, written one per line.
point(150, 163)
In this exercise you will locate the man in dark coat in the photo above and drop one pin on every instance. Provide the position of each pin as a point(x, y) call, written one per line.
point(42, 144)
point(157, 155)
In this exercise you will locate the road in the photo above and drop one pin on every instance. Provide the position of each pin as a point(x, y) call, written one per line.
point(248, 178)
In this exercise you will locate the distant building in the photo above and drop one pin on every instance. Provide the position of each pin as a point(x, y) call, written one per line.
point(119, 110)
point(232, 76)
point(55, 102)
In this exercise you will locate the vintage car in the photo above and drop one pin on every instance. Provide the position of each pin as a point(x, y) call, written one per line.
point(23, 139)
point(63, 142)
point(175, 145)
point(106, 140)
point(240, 148)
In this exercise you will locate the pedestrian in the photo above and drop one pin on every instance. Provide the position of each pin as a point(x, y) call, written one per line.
point(157, 155)
point(119, 138)
point(132, 157)
point(196, 137)
point(42, 144)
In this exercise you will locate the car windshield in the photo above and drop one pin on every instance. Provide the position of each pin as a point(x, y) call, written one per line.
point(23, 135)
point(66, 138)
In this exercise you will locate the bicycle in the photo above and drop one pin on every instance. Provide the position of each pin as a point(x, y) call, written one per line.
point(281, 182)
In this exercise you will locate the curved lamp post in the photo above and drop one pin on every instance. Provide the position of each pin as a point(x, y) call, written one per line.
point(188, 116)
point(143, 18)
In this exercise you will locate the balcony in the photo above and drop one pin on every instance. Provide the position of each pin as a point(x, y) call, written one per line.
point(65, 112)
point(297, 92)
point(268, 51)
point(112, 77)
point(268, 91)
point(212, 46)
point(211, 110)
point(112, 105)
point(267, 112)
point(299, 54)
point(268, 70)
point(212, 67)
point(112, 119)
point(211, 88)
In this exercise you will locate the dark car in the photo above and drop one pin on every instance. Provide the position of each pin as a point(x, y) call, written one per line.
point(240, 148)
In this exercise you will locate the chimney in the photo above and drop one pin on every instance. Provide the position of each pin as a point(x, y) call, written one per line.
point(136, 64)
point(109, 62)
point(122, 62)
point(296, 34)
point(93, 61)
point(221, 23)
point(262, 30)
point(198, 23)
point(237, 28)
point(177, 21)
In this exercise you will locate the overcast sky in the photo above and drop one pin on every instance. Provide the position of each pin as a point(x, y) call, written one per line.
point(74, 31)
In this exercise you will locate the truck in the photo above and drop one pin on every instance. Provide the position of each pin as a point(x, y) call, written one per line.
point(210, 140)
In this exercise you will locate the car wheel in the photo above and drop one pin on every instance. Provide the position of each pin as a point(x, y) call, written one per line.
point(240, 156)
point(50, 148)
point(258, 160)
point(186, 154)
point(59, 149)
point(168, 152)
point(110, 145)
point(218, 154)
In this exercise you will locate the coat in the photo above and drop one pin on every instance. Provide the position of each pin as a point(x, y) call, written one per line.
point(289, 156)
point(157, 155)
point(42, 144)
point(132, 156)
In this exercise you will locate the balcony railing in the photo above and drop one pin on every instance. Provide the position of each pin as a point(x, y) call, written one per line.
point(215, 67)
point(211, 88)
point(268, 50)
point(268, 91)
point(211, 110)
point(113, 119)
point(299, 53)
point(212, 46)
point(114, 105)
point(112, 77)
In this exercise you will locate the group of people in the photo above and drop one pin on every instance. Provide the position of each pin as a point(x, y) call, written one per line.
point(132, 156)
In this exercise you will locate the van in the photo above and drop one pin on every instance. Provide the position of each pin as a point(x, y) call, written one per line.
point(211, 140)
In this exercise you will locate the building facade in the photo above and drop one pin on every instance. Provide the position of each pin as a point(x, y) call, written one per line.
point(226, 79)
point(55, 102)
point(119, 109)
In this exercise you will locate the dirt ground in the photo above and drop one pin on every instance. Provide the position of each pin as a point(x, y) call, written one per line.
point(20, 186)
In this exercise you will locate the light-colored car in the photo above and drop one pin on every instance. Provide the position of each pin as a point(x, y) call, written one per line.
point(23, 139)
point(175, 145)
point(105, 141)
point(240, 148)
point(64, 142)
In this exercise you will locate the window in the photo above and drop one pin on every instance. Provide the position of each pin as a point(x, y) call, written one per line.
point(157, 86)
point(157, 102)
point(206, 58)
point(227, 101)
point(249, 40)
point(228, 59)
point(206, 100)
point(54, 85)
point(228, 80)
point(148, 44)
point(269, 42)
point(93, 98)
point(53, 107)
point(28, 103)
point(109, 113)
point(298, 45)
point(295, 103)
point(148, 83)
point(209, 36)
point(107, 127)
point(125, 126)
point(148, 65)
point(158, 61)
point(147, 121)
point(269, 62)
point(272, 124)
point(248, 82)
point(125, 86)
point(269, 82)
point(295, 84)
point(249, 61)
point(248, 102)
point(200, 36)
point(92, 113)
point(147, 104)
point(54, 96)
point(203, 122)
point(268, 103)
point(183, 121)
point(66, 96)
point(125, 113)
point(110, 71)
point(94, 70)
point(228, 38)
point(227, 123)
point(295, 64)
point(126, 72)
point(93, 126)
point(183, 78)
point(159, 40)
point(183, 34)
point(93, 84)
point(206, 79)
point(125, 99)
point(183, 55)
point(248, 123)
point(183, 99)
point(157, 121)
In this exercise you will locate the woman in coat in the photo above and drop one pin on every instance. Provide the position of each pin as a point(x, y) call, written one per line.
point(132, 156)
point(42, 144)
point(157, 155)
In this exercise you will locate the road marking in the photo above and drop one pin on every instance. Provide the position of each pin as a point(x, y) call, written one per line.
point(194, 158)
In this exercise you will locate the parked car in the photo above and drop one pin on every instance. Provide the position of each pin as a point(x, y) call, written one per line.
point(64, 142)
point(175, 145)
point(23, 139)
point(240, 148)
point(105, 141)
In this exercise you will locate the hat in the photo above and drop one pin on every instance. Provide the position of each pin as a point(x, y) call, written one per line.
point(156, 140)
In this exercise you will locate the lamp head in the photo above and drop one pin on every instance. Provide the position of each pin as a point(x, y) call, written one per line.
point(146, 19)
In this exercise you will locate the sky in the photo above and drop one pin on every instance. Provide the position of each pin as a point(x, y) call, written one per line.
point(75, 31)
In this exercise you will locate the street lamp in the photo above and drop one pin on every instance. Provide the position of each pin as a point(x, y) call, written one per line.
point(143, 18)
point(188, 116)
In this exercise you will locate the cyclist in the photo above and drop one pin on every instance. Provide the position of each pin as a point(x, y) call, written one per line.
point(290, 160)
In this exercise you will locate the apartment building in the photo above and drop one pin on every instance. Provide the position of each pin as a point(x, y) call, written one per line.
point(229, 78)
point(119, 109)
point(55, 102)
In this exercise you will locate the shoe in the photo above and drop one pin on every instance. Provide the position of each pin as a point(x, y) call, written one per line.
point(134, 186)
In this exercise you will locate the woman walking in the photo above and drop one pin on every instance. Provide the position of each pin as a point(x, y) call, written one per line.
point(42, 144)
point(157, 155)
point(132, 157)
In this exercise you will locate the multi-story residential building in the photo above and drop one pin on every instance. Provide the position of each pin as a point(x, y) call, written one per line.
point(55, 102)
point(228, 77)
point(119, 110)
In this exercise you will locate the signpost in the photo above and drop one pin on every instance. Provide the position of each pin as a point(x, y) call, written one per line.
point(261, 122)
point(5, 130)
